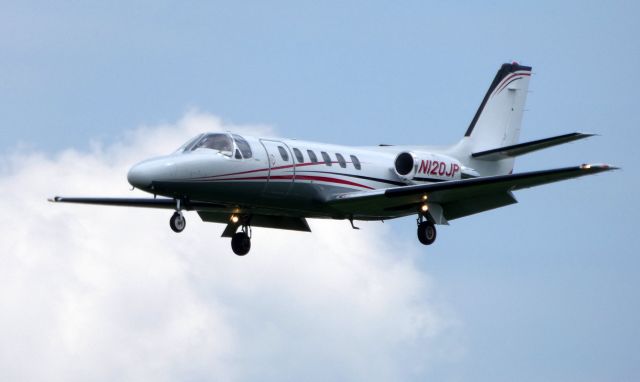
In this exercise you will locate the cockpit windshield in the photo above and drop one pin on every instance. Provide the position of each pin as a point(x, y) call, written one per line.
point(226, 144)
point(218, 142)
point(185, 146)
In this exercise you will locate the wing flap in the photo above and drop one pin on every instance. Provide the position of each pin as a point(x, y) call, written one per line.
point(465, 207)
point(266, 221)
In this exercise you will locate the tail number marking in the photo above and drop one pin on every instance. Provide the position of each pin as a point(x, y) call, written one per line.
point(438, 168)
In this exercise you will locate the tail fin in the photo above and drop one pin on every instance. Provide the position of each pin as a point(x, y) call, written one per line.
point(498, 119)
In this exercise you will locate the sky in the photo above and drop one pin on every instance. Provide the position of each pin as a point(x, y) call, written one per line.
point(546, 289)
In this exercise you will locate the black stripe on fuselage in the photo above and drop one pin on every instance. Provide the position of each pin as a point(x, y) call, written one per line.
point(434, 180)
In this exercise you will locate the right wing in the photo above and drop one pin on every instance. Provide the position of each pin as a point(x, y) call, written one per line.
point(208, 212)
point(457, 198)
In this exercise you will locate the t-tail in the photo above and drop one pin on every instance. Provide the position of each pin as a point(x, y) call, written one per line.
point(490, 144)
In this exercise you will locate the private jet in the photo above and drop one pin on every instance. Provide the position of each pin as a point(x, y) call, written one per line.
point(246, 182)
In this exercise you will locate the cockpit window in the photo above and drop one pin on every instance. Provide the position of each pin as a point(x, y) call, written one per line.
point(220, 142)
point(243, 145)
point(187, 145)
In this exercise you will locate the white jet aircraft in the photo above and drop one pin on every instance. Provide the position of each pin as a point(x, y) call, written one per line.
point(246, 182)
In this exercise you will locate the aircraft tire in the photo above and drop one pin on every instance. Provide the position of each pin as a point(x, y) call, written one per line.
point(177, 222)
point(240, 243)
point(427, 232)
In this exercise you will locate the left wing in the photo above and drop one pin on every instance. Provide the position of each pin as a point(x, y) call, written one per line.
point(457, 198)
point(141, 202)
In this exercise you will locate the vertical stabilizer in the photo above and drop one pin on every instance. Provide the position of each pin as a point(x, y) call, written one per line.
point(498, 119)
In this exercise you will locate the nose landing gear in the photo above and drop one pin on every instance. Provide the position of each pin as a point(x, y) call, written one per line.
point(177, 222)
point(426, 231)
point(241, 241)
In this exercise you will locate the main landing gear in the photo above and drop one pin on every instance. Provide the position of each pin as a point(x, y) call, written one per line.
point(241, 241)
point(426, 231)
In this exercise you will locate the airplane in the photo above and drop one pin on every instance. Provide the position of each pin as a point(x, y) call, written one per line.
point(246, 182)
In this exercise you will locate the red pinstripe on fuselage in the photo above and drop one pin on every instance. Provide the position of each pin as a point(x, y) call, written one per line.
point(234, 176)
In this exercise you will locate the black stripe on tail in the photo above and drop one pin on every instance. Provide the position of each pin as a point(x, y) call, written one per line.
point(504, 71)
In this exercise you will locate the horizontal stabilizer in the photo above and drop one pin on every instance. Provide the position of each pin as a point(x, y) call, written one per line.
point(527, 147)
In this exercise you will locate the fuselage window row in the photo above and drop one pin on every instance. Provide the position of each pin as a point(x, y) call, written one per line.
point(313, 158)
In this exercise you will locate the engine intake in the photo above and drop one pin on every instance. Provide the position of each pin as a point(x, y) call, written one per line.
point(404, 164)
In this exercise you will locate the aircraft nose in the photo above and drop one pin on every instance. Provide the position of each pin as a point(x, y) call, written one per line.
point(138, 177)
point(142, 174)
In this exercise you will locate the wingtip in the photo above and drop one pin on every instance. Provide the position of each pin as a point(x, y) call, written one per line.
point(54, 199)
point(599, 167)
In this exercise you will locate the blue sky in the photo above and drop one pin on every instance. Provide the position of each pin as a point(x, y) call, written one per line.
point(543, 290)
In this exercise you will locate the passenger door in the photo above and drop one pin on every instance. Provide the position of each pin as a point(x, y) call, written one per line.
point(281, 167)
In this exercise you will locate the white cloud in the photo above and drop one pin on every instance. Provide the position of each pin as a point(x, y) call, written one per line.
point(99, 293)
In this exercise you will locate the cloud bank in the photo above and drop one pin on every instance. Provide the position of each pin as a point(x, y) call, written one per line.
point(99, 293)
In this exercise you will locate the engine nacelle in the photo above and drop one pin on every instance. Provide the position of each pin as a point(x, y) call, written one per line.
point(426, 167)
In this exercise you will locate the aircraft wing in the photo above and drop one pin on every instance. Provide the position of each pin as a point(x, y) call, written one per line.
point(209, 212)
point(457, 198)
point(140, 202)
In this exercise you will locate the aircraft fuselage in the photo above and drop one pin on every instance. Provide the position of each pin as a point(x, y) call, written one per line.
point(294, 177)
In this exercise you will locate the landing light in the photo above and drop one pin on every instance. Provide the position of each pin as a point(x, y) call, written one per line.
point(234, 219)
point(424, 208)
point(424, 197)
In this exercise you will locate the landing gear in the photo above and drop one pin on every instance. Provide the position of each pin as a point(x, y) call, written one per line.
point(426, 232)
point(241, 241)
point(177, 222)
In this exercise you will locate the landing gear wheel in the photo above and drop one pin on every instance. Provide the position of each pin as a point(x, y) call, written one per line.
point(177, 222)
point(240, 243)
point(426, 232)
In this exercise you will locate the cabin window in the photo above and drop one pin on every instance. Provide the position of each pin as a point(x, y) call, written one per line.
point(219, 142)
point(298, 155)
point(312, 156)
point(243, 145)
point(283, 153)
point(238, 155)
point(326, 157)
point(341, 160)
point(356, 162)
